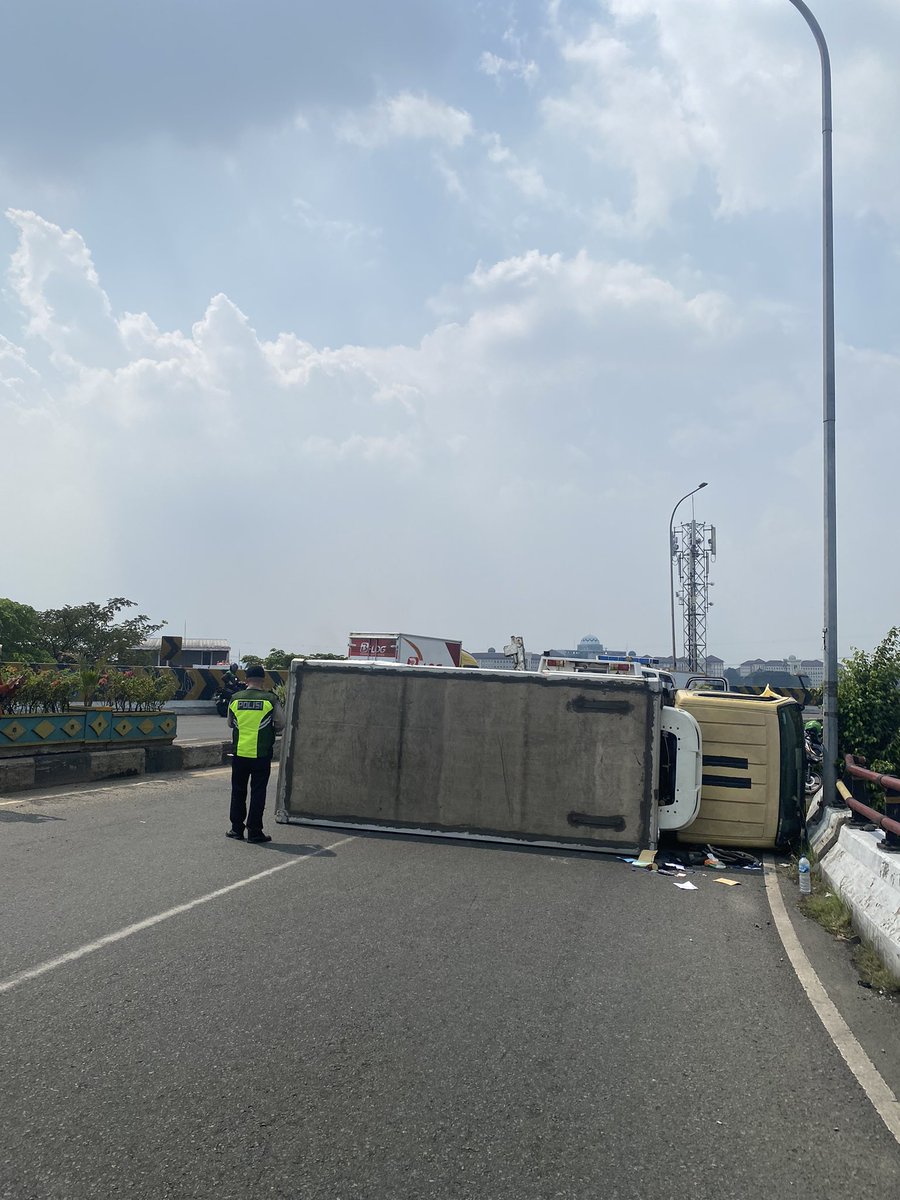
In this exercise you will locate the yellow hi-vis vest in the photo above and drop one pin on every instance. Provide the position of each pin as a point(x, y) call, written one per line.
point(253, 734)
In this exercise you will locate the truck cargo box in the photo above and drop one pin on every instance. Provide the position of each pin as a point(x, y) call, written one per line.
point(514, 756)
point(408, 649)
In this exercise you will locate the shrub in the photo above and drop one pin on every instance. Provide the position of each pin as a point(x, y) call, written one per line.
point(23, 690)
point(139, 691)
point(869, 705)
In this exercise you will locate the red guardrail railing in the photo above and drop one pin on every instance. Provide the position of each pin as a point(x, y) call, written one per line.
point(889, 820)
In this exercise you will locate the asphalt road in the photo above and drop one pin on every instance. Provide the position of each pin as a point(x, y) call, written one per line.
point(402, 1018)
point(201, 727)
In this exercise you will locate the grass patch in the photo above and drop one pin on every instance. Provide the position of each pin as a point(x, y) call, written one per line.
point(834, 914)
point(873, 971)
point(829, 910)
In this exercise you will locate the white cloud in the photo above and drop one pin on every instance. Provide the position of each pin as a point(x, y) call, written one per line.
point(525, 178)
point(333, 228)
point(557, 406)
point(497, 67)
point(629, 116)
point(674, 90)
point(407, 116)
point(53, 276)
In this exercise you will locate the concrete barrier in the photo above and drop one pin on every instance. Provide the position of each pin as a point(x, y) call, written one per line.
point(16, 774)
point(113, 764)
point(57, 770)
point(196, 755)
point(163, 758)
point(867, 877)
point(19, 774)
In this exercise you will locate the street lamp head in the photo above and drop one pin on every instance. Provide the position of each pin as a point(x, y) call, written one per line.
point(702, 485)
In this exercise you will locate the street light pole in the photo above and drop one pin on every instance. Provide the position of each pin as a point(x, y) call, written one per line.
point(829, 687)
point(672, 568)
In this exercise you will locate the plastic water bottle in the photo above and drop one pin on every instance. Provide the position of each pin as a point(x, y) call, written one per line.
point(805, 882)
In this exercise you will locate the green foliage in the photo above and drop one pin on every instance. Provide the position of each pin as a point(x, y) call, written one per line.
point(10, 686)
point(873, 972)
point(25, 691)
point(20, 632)
point(91, 632)
point(831, 911)
point(139, 691)
point(280, 660)
point(89, 676)
point(869, 705)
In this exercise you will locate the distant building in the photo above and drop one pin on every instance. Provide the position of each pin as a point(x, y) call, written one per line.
point(496, 660)
point(751, 665)
point(815, 669)
point(589, 646)
point(194, 652)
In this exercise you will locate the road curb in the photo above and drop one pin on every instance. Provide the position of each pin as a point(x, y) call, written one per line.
point(22, 774)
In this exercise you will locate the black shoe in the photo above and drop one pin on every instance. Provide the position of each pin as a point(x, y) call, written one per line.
point(258, 837)
point(237, 834)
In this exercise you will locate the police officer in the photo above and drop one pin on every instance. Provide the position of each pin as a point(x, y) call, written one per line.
point(254, 716)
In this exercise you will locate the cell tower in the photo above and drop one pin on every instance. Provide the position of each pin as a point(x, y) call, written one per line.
point(694, 549)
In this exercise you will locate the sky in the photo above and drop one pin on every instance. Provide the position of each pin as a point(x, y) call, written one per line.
point(420, 316)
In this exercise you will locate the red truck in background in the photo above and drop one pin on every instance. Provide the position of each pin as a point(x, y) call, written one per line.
point(408, 649)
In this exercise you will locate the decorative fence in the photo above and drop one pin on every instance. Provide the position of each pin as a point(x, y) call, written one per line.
point(889, 820)
point(83, 729)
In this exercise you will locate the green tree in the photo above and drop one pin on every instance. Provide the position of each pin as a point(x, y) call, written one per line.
point(278, 660)
point(869, 705)
point(91, 631)
point(19, 633)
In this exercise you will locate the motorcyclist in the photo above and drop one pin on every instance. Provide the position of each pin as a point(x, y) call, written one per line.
point(813, 733)
point(227, 688)
point(230, 681)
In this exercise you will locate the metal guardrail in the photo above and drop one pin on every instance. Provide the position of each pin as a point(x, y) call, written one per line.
point(855, 770)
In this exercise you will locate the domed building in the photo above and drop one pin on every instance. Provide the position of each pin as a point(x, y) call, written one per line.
point(589, 646)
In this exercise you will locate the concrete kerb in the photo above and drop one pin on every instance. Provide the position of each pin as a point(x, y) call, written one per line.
point(51, 770)
point(867, 878)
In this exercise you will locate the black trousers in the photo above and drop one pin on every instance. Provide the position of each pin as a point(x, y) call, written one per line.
point(254, 771)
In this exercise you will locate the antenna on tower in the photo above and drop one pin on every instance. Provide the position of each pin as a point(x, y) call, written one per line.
point(694, 550)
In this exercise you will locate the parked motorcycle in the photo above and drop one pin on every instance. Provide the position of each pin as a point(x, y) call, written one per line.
point(815, 754)
point(229, 686)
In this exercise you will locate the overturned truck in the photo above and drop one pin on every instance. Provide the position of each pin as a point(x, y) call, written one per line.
point(586, 762)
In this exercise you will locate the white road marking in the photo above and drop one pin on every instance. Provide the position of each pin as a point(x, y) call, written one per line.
point(120, 935)
point(866, 1073)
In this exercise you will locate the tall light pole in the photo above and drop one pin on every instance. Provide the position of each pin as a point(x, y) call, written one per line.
point(829, 687)
point(698, 488)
